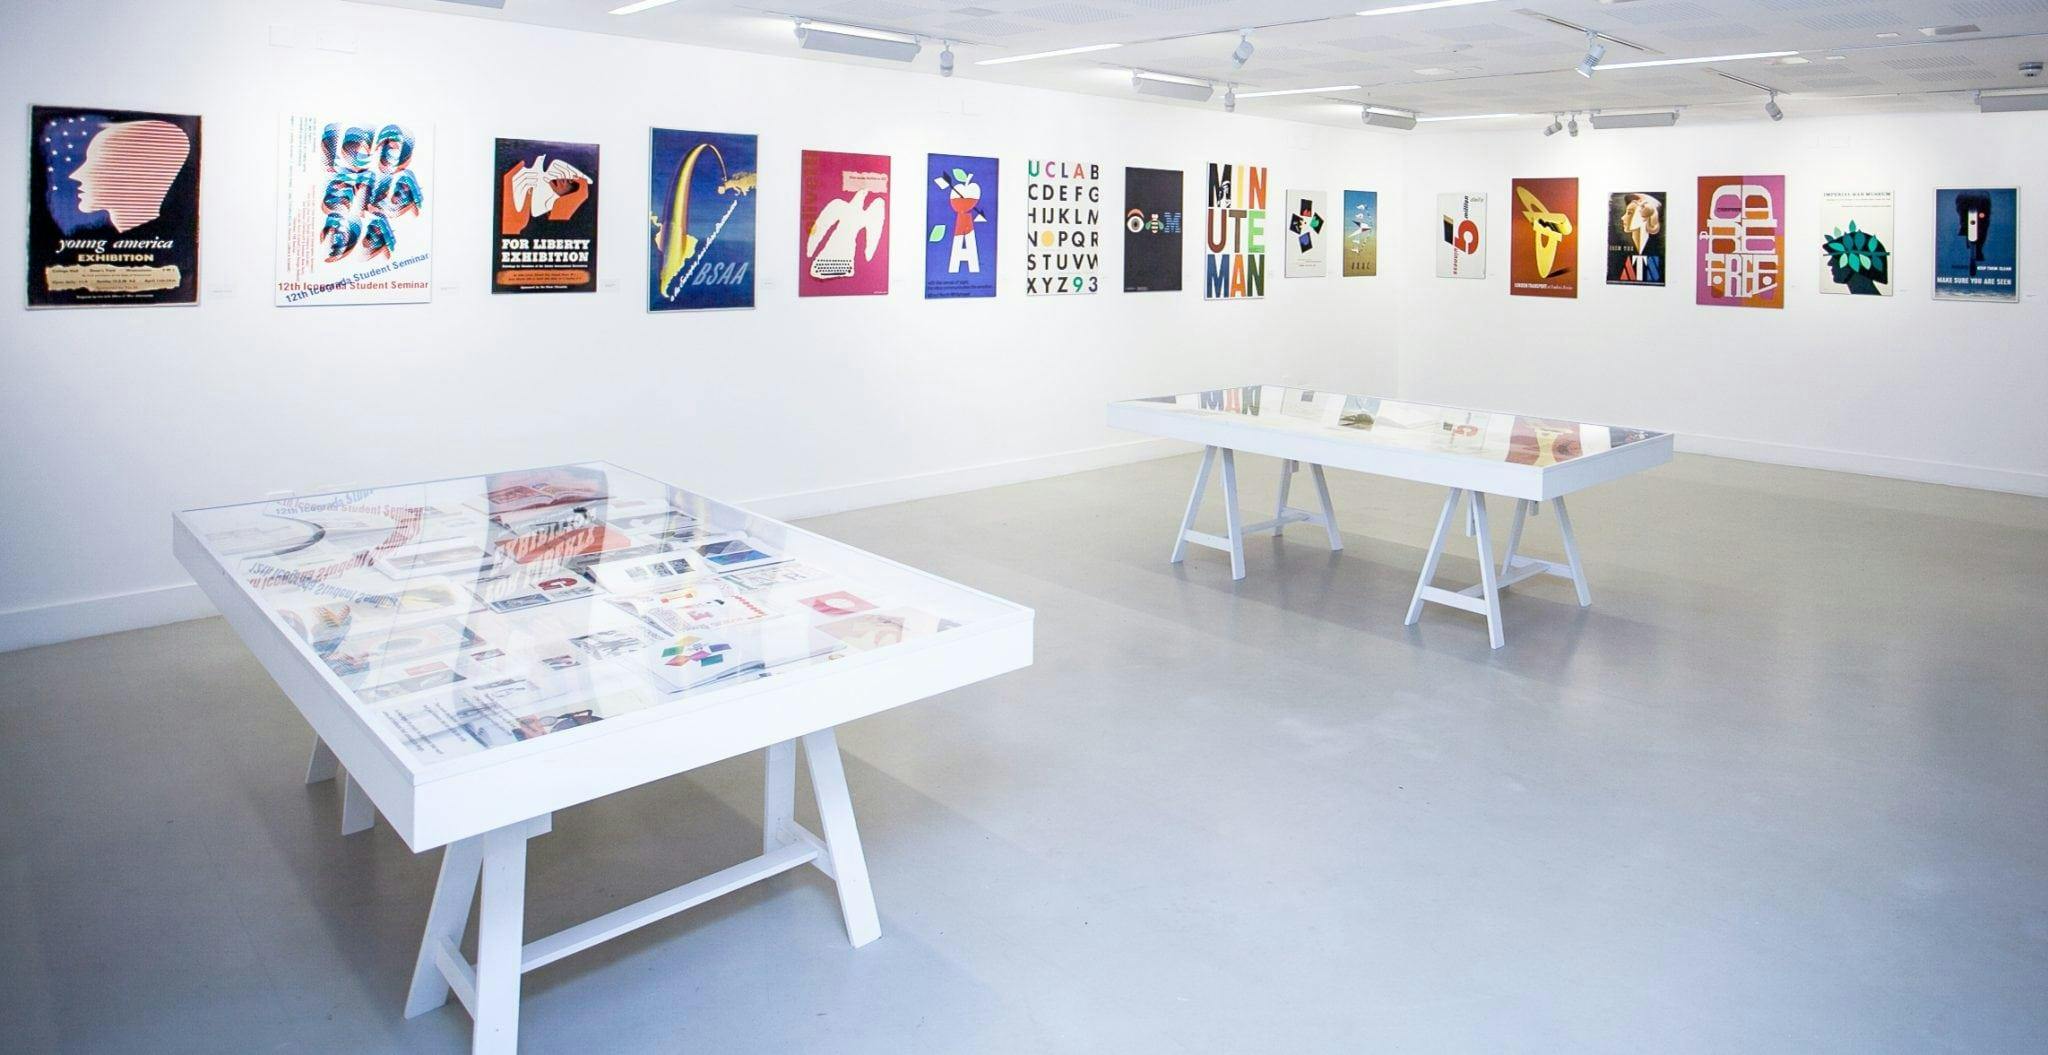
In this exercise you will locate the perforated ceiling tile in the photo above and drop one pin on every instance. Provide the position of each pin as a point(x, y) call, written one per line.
point(1838, 83)
point(1475, 33)
point(1713, 32)
point(1972, 75)
point(1999, 8)
point(1930, 61)
point(1371, 43)
point(1864, 18)
point(1659, 14)
point(1174, 5)
point(1068, 14)
point(876, 11)
point(985, 28)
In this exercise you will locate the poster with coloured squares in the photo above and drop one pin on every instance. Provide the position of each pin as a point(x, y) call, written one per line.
point(1309, 233)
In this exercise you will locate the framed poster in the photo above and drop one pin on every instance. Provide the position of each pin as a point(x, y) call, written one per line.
point(1152, 223)
point(843, 229)
point(700, 215)
point(547, 217)
point(1855, 243)
point(1308, 252)
point(960, 199)
point(113, 208)
point(1741, 241)
point(355, 223)
point(1461, 247)
point(1361, 233)
point(1543, 248)
point(1976, 244)
point(1635, 238)
point(1235, 267)
point(1063, 226)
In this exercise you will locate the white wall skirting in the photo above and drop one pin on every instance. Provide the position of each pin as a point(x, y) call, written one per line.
point(92, 616)
point(1927, 472)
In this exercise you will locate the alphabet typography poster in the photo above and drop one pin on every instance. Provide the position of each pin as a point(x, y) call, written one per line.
point(844, 225)
point(113, 208)
point(355, 216)
point(700, 250)
point(1742, 241)
point(546, 234)
point(1063, 226)
point(960, 213)
point(1235, 267)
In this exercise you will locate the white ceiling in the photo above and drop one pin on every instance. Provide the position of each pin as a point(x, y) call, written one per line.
point(1856, 56)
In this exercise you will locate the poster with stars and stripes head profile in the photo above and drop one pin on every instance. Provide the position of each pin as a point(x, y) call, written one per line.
point(113, 209)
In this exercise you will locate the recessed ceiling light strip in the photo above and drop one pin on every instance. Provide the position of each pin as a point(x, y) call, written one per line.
point(1402, 9)
point(1645, 64)
point(1324, 90)
point(1034, 56)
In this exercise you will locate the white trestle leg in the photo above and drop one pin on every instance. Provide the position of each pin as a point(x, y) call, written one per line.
point(495, 863)
point(323, 765)
point(1515, 568)
point(358, 813)
point(1483, 599)
point(1283, 514)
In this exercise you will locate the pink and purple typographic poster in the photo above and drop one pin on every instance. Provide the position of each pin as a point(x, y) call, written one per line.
point(844, 228)
point(1742, 241)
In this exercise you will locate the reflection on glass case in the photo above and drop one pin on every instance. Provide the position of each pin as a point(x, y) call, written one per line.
point(463, 615)
point(1513, 438)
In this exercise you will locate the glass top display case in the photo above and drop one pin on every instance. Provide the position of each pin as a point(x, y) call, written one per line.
point(467, 617)
point(1513, 439)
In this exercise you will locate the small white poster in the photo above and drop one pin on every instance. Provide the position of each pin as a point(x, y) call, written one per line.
point(1856, 243)
point(1308, 234)
point(1461, 243)
point(355, 223)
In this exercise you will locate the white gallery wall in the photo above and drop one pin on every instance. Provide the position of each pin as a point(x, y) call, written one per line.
point(1900, 386)
point(113, 418)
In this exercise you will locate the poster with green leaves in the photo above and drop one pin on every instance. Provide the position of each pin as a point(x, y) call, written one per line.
point(1856, 243)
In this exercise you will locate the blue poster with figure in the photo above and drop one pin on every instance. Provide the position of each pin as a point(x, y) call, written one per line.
point(1976, 244)
point(113, 208)
point(960, 227)
point(700, 251)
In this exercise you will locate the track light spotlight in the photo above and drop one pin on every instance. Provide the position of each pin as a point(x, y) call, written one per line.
point(946, 60)
point(1556, 125)
point(1595, 51)
point(1230, 99)
point(1574, 126)
point(1243, 54)
point(1771, 107)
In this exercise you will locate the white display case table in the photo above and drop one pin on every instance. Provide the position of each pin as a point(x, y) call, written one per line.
point(1474, 453)
point(475, 654)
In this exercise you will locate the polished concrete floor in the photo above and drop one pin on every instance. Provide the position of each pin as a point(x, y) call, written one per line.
point(1783, 788)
